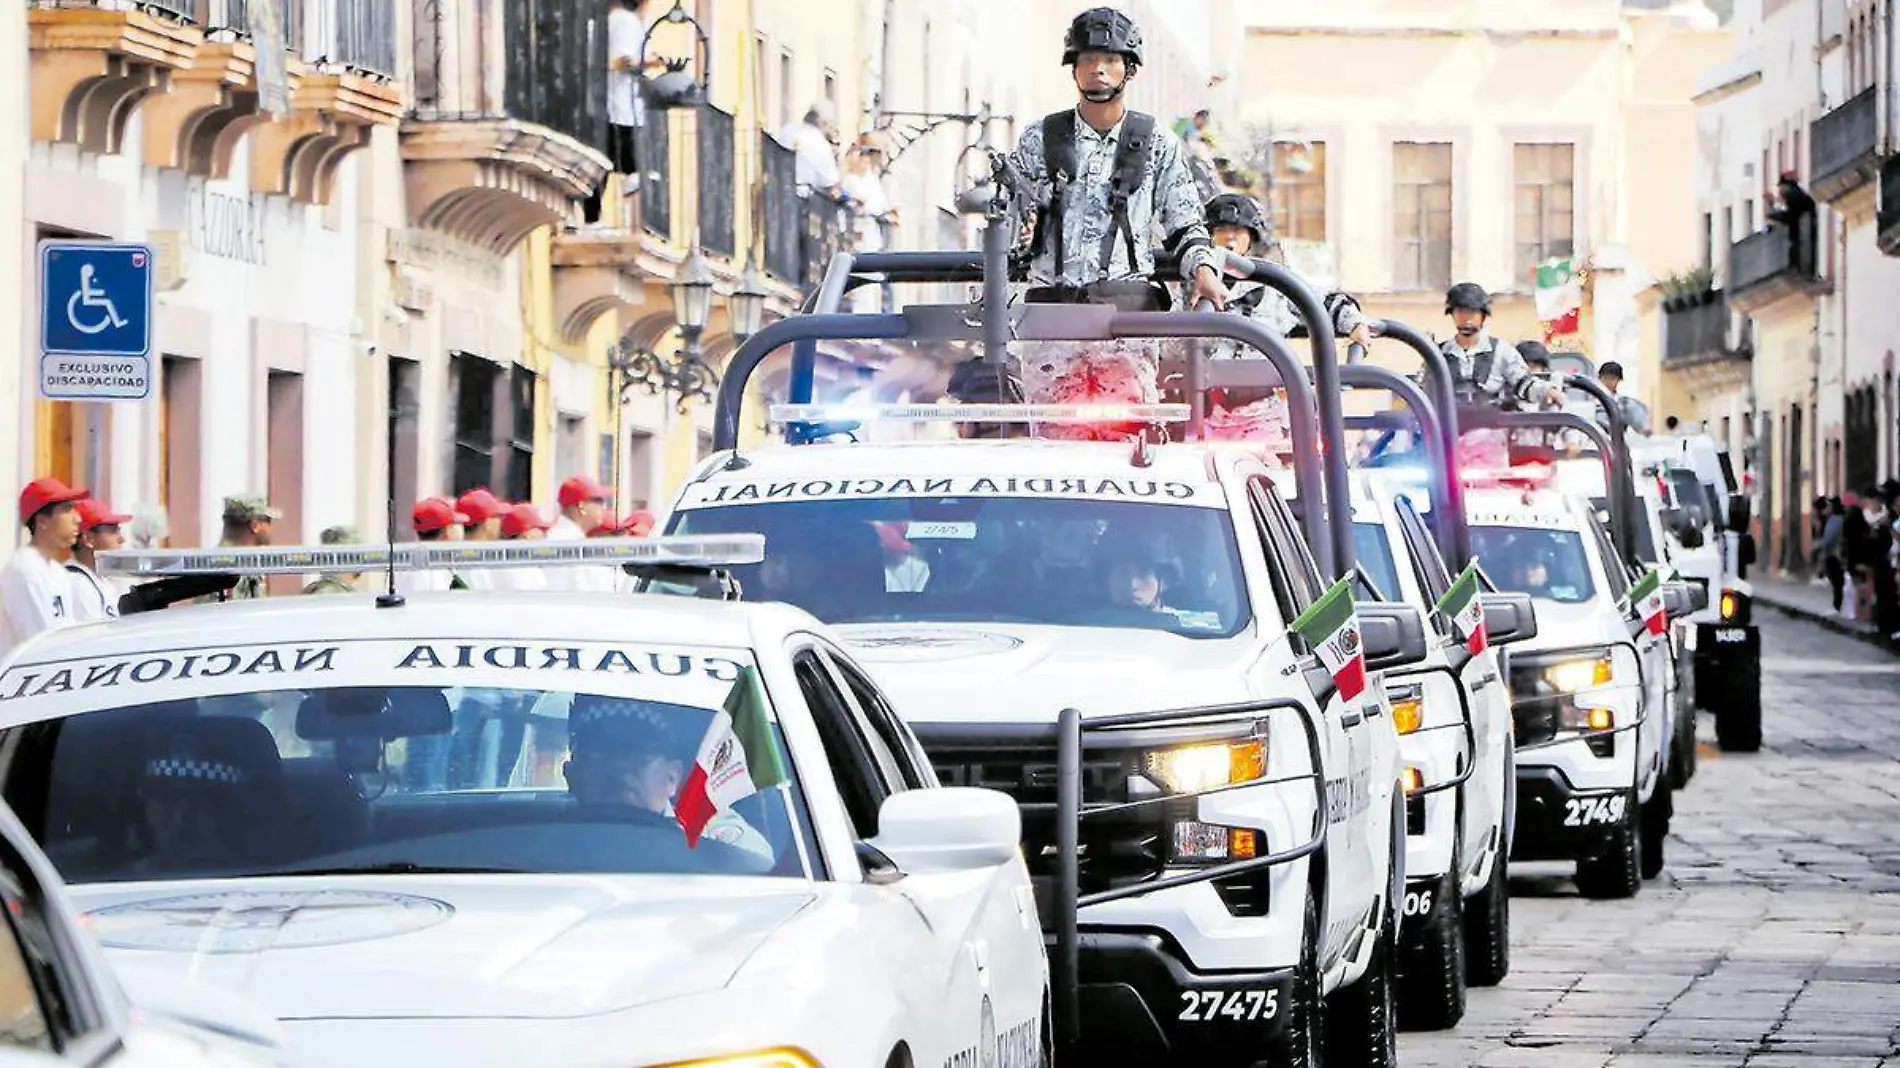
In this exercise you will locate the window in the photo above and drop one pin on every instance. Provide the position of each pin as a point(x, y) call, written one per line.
point(23, 1023)
point(1708, 239)
point(405, 399)
point(494, 426)
point(785, 90)
point(1546, 214)
point(831, 90)
point(1299, 190)
point(907, 759)
point(1547, 564)
point(861, 787)
point(1421, 215)
point(1375, 556)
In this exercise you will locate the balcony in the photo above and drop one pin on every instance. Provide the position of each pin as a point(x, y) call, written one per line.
point(510, 108)
point(1888, 216)
point(1765, 268)
point(1844, 144)
point(92, 65)
point(718, 212)
point(1697, 333)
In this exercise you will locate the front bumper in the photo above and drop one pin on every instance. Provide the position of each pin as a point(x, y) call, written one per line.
point(1558, 821)
point(1144, 1004)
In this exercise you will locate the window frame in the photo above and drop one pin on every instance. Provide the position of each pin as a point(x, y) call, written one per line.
point(883, 728)
point(842, 733)
point(1293, 195)
point(1415, 255)
point(1528, 252)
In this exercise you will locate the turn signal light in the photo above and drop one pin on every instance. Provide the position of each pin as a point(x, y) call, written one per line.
point(1414, 780)
point(1408, 714)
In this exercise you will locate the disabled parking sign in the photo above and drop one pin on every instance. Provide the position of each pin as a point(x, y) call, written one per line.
point(95, 320)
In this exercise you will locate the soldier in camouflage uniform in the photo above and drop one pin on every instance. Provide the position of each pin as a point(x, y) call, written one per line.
point(340, 535)
point(248, 519)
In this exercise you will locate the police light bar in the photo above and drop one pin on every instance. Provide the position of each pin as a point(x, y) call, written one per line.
point(1521, 476)
point(703, 550)
point(977, 413)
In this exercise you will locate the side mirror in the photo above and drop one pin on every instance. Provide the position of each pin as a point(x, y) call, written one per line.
point(1676, 602)
point(952, 828)
point(1698, 596)
point(1509, 618)
point(1690, 535)
point(1392, 634)
point(1739, 513)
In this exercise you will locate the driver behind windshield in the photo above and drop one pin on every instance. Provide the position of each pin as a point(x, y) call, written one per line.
point(194, 803)
point(1135, 582)
point(626, 755)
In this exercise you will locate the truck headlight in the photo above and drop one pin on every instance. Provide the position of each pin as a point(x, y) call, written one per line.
point(1583, 673)
point(1582, 718)
point(1194, 769)
point(1408, 708)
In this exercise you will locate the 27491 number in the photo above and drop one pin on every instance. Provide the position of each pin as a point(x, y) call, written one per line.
point(1595, 811)
point(1211, 1006)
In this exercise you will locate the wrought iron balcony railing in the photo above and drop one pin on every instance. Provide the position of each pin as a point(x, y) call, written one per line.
point(1843, 145)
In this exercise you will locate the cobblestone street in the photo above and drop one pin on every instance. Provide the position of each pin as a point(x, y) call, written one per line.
point(1772, 941)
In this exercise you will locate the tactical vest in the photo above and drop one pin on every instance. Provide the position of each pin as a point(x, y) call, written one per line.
point(1471, 390)
point(1059, 160)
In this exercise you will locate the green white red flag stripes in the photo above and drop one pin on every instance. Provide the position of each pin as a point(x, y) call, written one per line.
point(1646, 597)
point(1559, 292)
point(1331, 627)
point(737, 758)
point(1462, 605)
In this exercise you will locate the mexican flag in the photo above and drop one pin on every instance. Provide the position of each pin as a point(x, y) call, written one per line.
point(1462, 606)
point(1646, 597)
point(1331, 627)
point(736, 759)
point(1559, 291)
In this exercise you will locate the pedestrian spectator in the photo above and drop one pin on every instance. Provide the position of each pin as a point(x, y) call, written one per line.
point(1885, 592)
point(36, 590)
point(150, 527)
point(813, 140)
point(1796, 211)
point(100, 531)
point(434, 519)
point(337, 535)
point(626, 107)
point(248, 522)
point(873, 216)
point(523, 522)
point(1856, 540)
point(484, 511)
point(1828, 547)
point(639, 524)
point(583, 504)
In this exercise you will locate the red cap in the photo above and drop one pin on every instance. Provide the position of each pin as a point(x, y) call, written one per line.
point(580, 489)
point(434, 514)
point(479, 506)
point(521, 518)
point(639, 524)
point(44, 492)
point(94, 513)
point(608, 526)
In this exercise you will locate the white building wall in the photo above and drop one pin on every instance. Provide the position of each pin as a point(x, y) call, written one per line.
point(14, 248)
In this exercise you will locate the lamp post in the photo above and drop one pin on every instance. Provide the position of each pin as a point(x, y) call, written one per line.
point(677, 89)
point(748, 302)
point(687, 373)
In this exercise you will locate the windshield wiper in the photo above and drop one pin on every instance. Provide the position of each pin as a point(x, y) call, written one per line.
point(399, 867)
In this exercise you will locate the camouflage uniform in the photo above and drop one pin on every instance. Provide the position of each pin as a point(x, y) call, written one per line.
point(247, 508)
point(339, 535)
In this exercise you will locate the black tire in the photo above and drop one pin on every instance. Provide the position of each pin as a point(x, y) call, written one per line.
point(1362, 1020)
point(1655, 818)
point(1488, 927)
point(1302, 1042)
point(1614, 870)
point(1431, 962)
point(1738, 717)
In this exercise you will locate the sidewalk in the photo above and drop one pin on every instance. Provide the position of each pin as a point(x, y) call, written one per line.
point(1812, 601)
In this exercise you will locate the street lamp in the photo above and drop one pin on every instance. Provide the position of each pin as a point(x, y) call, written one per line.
point(748, 302)
point(686, 374)
point(676, 88)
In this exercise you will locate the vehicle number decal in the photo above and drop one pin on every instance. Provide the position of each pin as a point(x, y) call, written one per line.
point(941, 530)
point(1595, 811)
point(1731, 636)
point(1418, 903)
point(1212, 1006)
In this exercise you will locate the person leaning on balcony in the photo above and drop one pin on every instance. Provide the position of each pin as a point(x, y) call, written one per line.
point(813, 140)
point(1796, 212)
point(626, 110)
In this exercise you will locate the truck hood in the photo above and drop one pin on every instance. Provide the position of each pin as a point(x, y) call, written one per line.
point(1567, 626)
point(984, 672)
point(470, 946)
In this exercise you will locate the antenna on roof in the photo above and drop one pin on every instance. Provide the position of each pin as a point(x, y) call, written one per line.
point(389, 598)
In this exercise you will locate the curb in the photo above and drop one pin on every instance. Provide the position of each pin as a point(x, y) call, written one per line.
point(1832, 622)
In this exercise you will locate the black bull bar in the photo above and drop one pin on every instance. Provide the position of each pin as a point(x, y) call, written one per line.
point(1064, 928)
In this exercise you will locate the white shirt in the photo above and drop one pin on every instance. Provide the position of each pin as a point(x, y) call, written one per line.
point(817, 165)
point(625, 34)
point(36, 594)
point(579, 579)
point(94, 598)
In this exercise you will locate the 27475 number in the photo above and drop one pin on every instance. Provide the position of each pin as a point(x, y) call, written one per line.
point(1595, 811)
point(1211, 1006)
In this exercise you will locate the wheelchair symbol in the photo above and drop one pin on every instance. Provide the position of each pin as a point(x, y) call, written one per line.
point(105, 314)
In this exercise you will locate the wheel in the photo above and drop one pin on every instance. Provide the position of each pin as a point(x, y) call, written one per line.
point(1488, 927)
point(1686, 751)
point(1431, 966)
point(1655, 818)
point(1362, 1020)
point(1738, 717)
point(1614, 870)
point(1301, 1043)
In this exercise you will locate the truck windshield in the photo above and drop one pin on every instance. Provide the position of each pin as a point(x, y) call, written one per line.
point(1375, 555)
point(1032, 560)
point(1547, 564)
